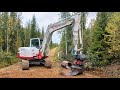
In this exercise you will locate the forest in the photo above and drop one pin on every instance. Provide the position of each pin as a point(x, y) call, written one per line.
point(101, 40)
point(13, 35)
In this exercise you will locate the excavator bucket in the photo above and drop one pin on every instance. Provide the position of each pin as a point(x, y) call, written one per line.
point(72, 71)
point(75, 70)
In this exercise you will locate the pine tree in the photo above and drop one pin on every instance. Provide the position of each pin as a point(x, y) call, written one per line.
point(38, 32)
point(1, 33)
point(13, 32)
point(33, 27)
point(27, 34)
point(4, 30)
point(87, 37)
point(42, 32)
point(66, 43)
point(86, 40)
point(113, 37)
point(97, 51)
point(18, 30)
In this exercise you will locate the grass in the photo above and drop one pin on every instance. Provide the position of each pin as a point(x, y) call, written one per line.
point(7, 59)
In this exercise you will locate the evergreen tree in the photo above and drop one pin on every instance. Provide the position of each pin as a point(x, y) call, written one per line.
point(97, 51)
point(1, 33)
point(18, 28)
point(113, 36)
point(66, 43)
point(86, 40)
point(13, 32)
point(38, 32)
point(33, 27)
point(43, 32)
point(4, 29)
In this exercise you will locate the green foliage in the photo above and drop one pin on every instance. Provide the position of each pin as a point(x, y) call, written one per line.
point(4, 20)
point(98, 47)
point(86, 40)
point(56, 58)
point(97, 59)
point(7, 59)
point(67, 36)
point(113, 37)
point(13, 35)
point(53, 45)
point(63, 56)
point(26, 33)
point(101, 41)
point(13, 32)
point(42, 32)
point(33, 27)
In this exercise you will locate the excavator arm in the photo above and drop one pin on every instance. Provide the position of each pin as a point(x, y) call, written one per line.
point(73, 20)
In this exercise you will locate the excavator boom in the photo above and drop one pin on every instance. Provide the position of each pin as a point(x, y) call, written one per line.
point(73, 20)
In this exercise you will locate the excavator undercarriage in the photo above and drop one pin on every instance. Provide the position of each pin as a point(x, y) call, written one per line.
point(27, 63)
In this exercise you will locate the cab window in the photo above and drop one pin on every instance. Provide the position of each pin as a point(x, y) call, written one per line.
point(35, 43)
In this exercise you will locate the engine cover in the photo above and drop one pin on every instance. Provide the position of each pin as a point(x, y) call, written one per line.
point(27, 52)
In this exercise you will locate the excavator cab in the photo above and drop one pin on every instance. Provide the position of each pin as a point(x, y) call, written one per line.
point(36, 42)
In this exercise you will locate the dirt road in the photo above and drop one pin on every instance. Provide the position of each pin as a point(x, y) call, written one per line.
point(15, 71)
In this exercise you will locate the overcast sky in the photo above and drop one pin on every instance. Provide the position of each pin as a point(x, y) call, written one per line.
point(45, 18)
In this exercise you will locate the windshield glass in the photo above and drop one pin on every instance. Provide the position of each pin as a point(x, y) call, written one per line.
point(35, 43)
point(41, 40)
